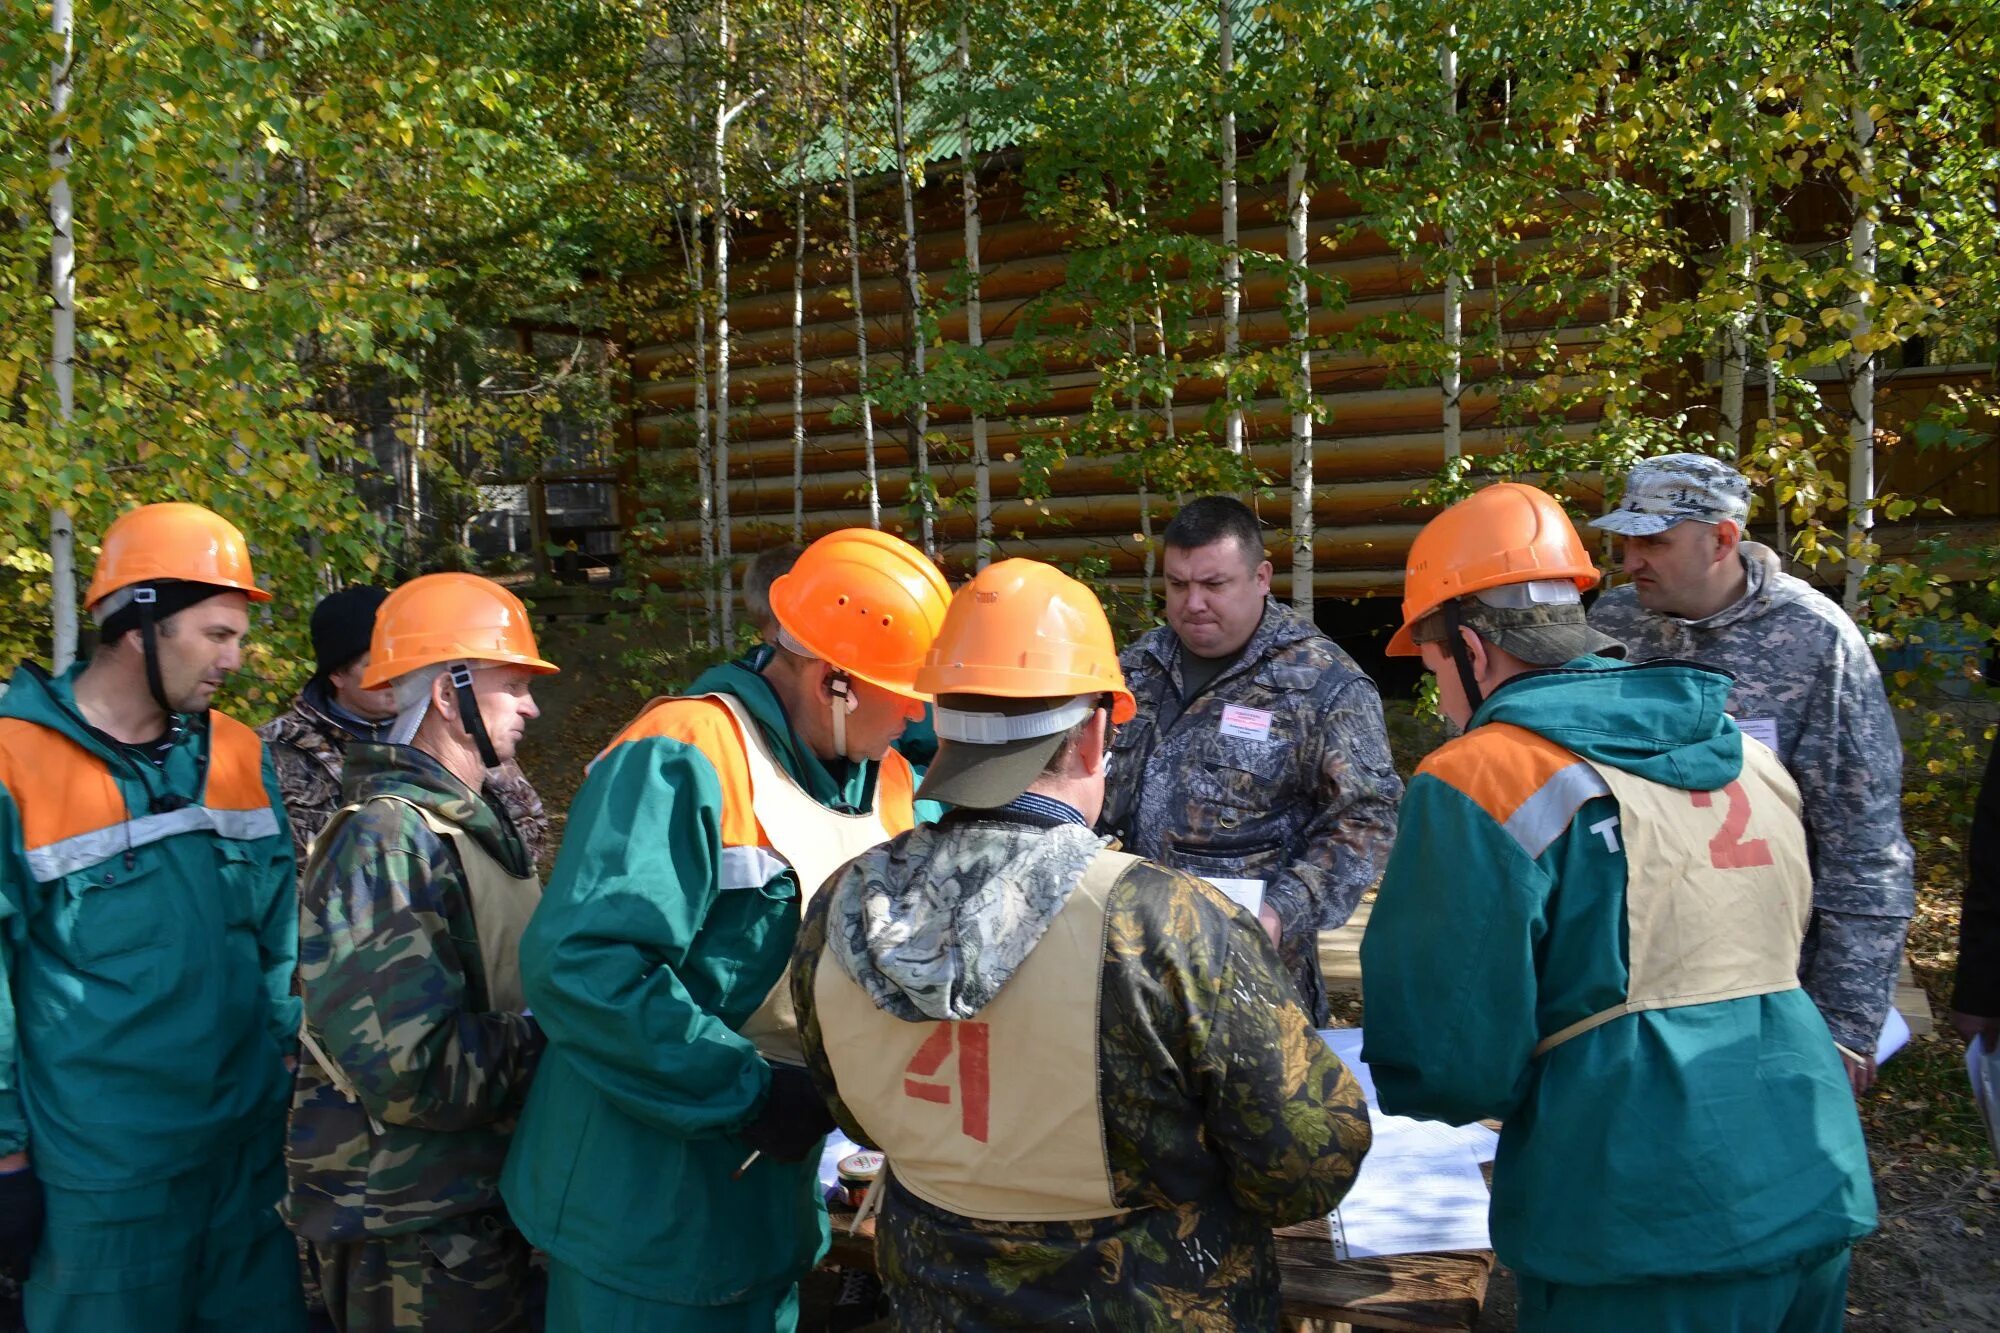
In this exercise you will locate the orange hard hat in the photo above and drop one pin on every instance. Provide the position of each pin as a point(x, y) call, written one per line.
point(172, 543)
point(449, 618)
point(865, 602)
point(1507, 533)
point(1025, 630)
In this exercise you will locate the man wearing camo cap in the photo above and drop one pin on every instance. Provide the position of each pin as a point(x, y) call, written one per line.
point(1806, 686)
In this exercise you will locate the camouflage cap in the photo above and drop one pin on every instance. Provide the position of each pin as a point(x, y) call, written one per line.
point(1674, 488)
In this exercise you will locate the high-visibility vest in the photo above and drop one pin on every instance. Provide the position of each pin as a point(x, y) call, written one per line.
point(74, 817)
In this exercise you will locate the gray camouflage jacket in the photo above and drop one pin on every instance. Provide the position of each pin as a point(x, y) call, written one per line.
point(1279, 771)
point(1801, 665)
point(307, 747)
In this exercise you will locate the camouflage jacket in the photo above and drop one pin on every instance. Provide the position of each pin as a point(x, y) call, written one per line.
point(1279, 771)
point(307, 744)
point(1223, 1113)
point(1802, 667)
point(395, 995)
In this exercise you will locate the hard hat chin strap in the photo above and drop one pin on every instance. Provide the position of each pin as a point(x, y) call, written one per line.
point(147, 600)
point(1462, 659)
point(469, 717)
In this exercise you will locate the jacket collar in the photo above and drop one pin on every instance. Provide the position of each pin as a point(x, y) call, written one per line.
point(410, 774)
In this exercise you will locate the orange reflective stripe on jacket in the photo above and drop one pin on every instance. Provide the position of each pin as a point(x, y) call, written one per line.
point(747, 859)
point(1527, 784)
point(73, 815)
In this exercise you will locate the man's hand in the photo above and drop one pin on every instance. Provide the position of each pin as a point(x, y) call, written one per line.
point(793, 1118)
point(20, 1213)
point(1267, 917)
point(1973, 1026)
point(1860, 1073)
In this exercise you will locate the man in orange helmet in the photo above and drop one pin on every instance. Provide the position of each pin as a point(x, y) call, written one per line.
point(1096, 1089)
point(656, 962)
point(420, 1047)
point(147, 934)
point(1589, 928)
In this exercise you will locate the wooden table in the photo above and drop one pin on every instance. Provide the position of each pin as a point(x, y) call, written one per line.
point(1413, 1292)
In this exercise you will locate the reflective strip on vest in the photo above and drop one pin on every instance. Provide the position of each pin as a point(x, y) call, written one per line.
point(99, 845)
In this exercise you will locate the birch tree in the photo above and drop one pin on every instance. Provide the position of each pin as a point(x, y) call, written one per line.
point(975, 332)
point(62, 343)
point(1861, 251)
point(854, 287)
point(913, 296)
point(1232, 257)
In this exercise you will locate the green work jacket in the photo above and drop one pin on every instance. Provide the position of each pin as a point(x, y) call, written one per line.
point(148, 930)
point(1707, 1139)
point(662, 929)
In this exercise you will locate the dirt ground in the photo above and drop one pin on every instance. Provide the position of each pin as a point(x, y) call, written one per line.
point(1932, 1267)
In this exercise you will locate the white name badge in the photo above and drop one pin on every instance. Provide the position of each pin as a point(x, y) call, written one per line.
point(1763, 729)
point(1247, 894)
point(1246, 724)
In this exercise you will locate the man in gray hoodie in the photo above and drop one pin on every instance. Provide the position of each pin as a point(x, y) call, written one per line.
point(1095, 1086)
point(1805, 685)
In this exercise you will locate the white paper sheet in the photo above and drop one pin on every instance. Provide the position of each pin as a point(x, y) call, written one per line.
point(1420, 1187)
point(1247, 894)
point(1895, 1036)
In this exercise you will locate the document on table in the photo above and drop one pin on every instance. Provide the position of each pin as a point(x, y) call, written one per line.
point(1420, 1187)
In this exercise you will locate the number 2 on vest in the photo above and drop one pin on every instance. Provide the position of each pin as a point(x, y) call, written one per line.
point(974, 1074)
point(1727, 850)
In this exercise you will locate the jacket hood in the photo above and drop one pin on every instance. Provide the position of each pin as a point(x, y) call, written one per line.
point(1769, 588)
point(838, 785)
point(932, 924)
point(405, 772)
point(1662, 721)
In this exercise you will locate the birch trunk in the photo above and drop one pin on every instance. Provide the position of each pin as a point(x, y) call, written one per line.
point(413, 523)
point(1861, 377)
point(1302, 422)
point(975, 332)
point(726, 597)
point(1736, 335)
point(799, 289)
point(1232, 262)
point(860, 315)
point(692, 244)
point(799, 359)
point(913, 298)
point(1453, 384)
point(62, 340)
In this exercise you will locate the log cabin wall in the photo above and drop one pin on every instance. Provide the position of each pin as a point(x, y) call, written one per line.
point(1381, 440)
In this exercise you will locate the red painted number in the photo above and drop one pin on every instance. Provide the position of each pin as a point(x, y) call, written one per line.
point(974, 1074)
point(1727, 850)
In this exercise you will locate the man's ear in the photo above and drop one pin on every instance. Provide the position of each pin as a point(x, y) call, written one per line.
point(1728, 536)
point(444, 697)
point(1475, 652)
point(1093, 744)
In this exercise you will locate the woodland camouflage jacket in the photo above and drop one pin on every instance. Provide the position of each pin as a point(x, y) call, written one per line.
point(1279, 771)
point(306, 745)
point(1803, 671)
point(1224, 1114)
point(395, 994)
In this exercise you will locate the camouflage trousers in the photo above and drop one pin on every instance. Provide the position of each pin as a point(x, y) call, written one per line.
point(466, 1275)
